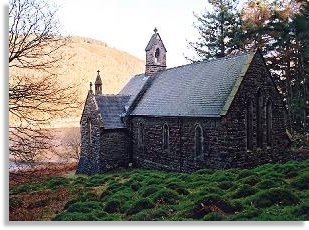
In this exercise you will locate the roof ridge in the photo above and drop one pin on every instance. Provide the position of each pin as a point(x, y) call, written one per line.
point(110, 95)
point(211, 60)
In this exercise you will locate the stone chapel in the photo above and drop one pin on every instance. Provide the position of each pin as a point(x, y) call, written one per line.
point(219, 113)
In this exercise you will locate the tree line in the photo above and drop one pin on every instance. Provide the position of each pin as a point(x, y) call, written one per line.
point(278, 28)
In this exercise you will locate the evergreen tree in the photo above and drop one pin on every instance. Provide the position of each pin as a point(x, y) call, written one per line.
point(278, 28)
point(217, 29)
point(301, 23)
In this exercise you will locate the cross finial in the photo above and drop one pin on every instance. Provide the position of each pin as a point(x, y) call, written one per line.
point(155, 30)
point(98, 72)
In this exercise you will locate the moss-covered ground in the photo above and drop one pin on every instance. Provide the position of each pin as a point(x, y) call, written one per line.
point(268, 192)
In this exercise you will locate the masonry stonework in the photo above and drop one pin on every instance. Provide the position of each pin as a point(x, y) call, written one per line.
point(131, 128)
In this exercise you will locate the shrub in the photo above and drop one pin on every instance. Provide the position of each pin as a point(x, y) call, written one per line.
point(247, 214)
point(211, 203)
point(85, 207)
point(266, 184)
point(121, 195)
point(243, 191)
point(80, 180)
point(136, 186)
point(302, 211)
point(166, 196)
point(112, 206)
point(291, 174)
point(213, 216)
point(143, 215)
point(251, 180)
point(161, 213)
point(225, 184)
point(140, 205)
point(245, 173)
point(272, 175)
point(274, 196)
point(178, 188)
point(117, 191)
point(154, 181)
point(56, 182)
point(96, 180)
point(150, 190)
point(220, 176)
point(301, 182)
point(82, 198)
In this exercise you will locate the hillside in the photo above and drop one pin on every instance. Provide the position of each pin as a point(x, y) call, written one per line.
point(83, 57)
point(267, 192)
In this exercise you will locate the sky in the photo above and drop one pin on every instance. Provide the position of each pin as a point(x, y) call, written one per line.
point(128, 24)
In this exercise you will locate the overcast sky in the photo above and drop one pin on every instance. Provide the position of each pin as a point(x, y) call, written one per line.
point(128, 24)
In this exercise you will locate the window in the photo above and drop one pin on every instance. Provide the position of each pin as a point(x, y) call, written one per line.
point(259, 115)
point(157, 54)
point(198, 141)
point(140, 135)
point(166, 134)
point(249, 125)
point(89, 132)
point(269, 122)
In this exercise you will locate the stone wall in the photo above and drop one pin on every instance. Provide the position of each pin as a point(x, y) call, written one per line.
point(106, 149)
point(234, 123)
point(180, 156)
point(225, 141)
point(90, 151)
point(115, 147)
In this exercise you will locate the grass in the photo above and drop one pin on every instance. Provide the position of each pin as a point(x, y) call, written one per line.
point(267, 192)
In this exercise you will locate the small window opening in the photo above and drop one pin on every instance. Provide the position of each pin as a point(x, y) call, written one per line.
point(269, 123)
point(165, 136)
point(198, 141)
point(249, 118)
point(157, 54)
point(141, 135)
point(89, 132)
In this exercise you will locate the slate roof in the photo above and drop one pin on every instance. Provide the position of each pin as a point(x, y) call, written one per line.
point(111, 108)
point(198, 90)
point(133, 87)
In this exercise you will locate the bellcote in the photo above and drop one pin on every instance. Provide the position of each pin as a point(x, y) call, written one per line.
point(155, 54)
point(98, 84)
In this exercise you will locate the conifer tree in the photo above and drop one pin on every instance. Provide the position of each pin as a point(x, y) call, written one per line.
point(217, 28)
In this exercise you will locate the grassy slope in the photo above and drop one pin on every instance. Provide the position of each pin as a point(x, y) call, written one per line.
point(268, 192)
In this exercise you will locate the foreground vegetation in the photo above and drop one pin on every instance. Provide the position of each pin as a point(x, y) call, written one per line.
point(268, 192)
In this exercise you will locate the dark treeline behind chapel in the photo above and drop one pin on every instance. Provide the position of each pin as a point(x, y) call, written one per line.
point(278, 28)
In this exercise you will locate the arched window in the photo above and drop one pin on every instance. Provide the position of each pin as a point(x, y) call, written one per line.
point(198, 141)
point(140, 135)
point(89, 131)
point(166, 134)
point(249, 126)
point(269, 122)
point(259, 116)
point(157, 54)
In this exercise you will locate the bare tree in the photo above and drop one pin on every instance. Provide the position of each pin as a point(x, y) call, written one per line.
point(36, 93)
point(70, 144)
